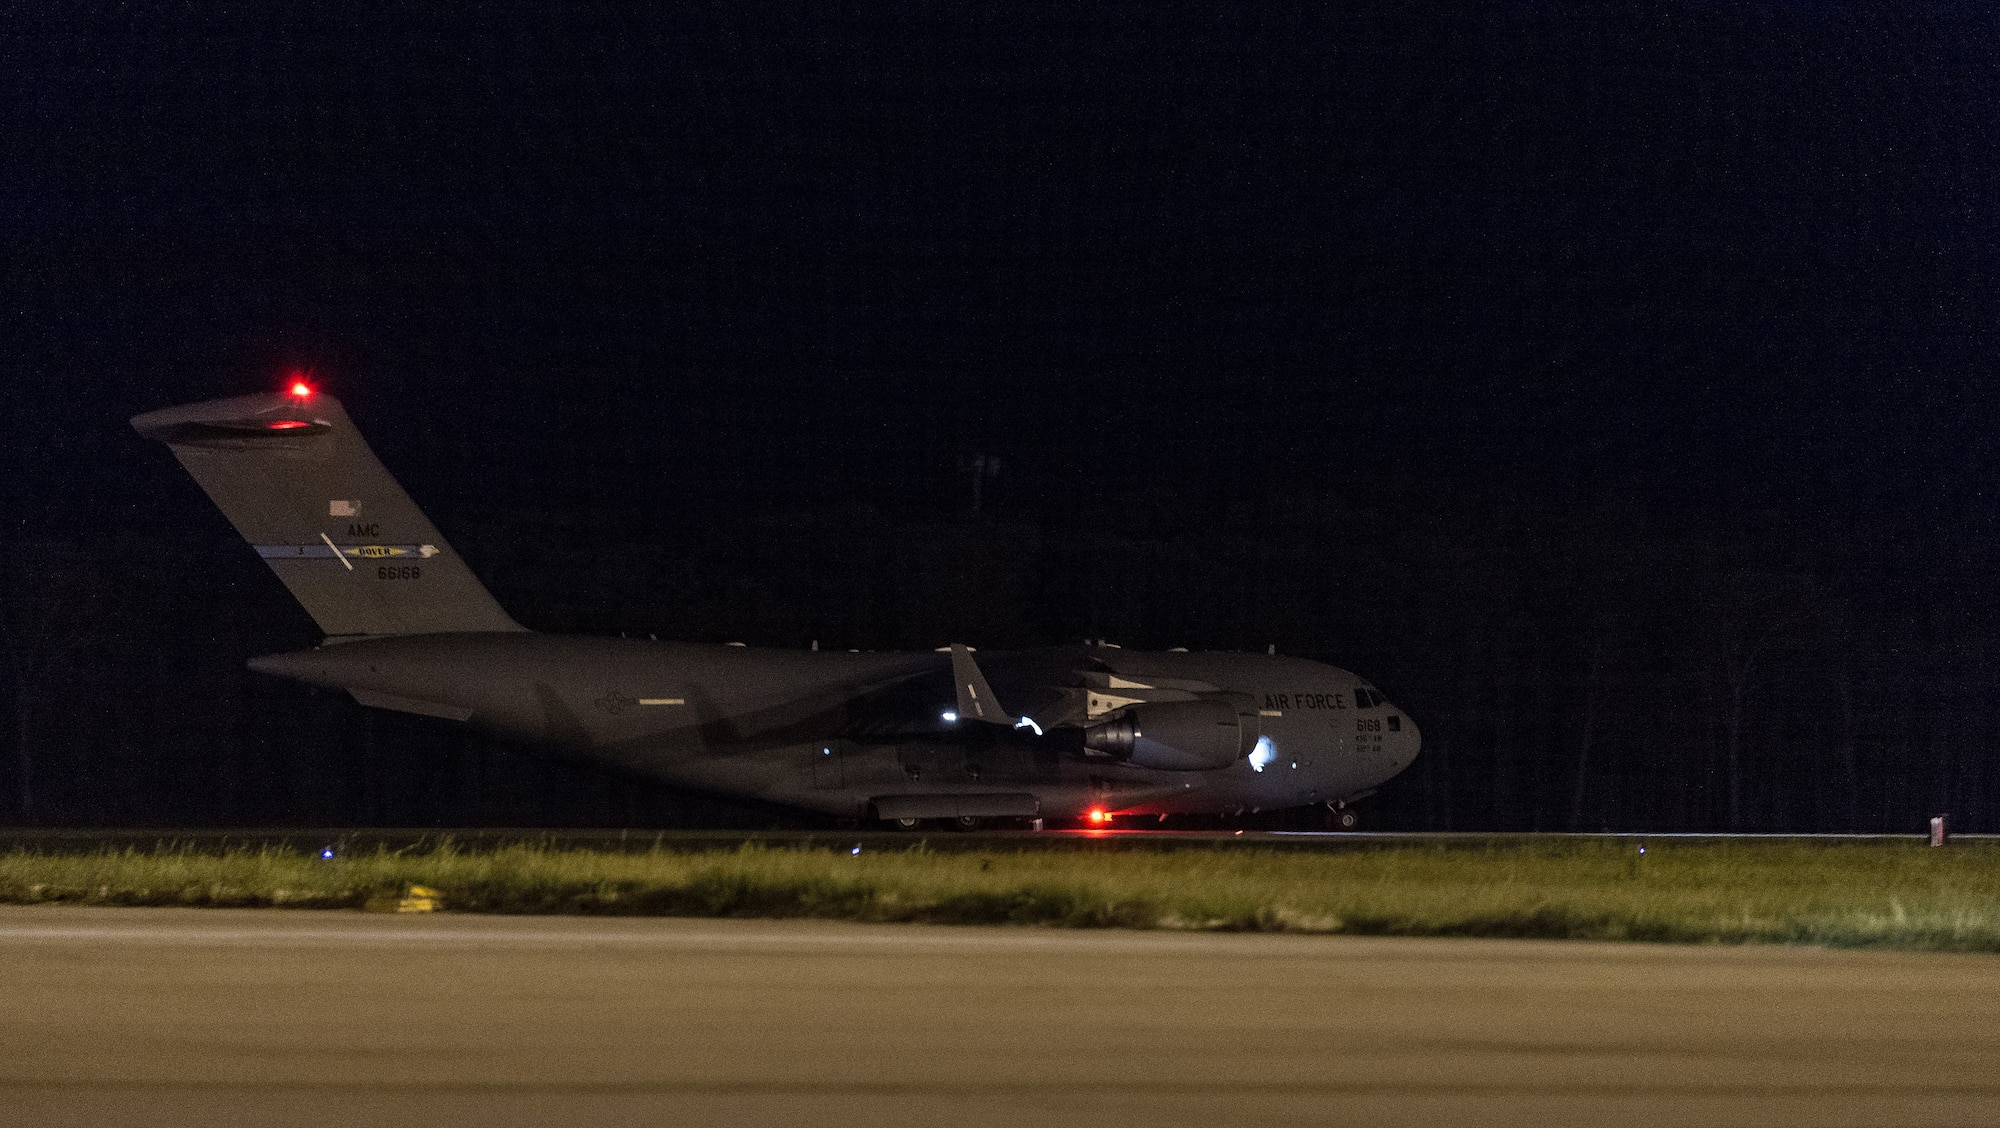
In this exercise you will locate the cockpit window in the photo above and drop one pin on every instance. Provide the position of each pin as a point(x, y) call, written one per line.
point(1365, 698)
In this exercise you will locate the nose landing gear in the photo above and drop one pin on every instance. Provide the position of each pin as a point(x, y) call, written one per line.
point(1340, 816)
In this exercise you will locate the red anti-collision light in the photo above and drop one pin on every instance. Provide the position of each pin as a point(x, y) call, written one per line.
point(287, 424)
point(301, 389)
point(1099, 817)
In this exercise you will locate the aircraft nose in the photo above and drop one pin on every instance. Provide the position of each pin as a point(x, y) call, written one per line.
point(1405, 741)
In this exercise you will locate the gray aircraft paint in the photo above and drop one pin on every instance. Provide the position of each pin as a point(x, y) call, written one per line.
point(411, 628)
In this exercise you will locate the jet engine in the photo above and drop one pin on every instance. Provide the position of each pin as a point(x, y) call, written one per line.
point(1177, 736)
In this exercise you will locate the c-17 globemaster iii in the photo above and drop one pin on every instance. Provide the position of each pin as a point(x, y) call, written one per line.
point(1070, 732)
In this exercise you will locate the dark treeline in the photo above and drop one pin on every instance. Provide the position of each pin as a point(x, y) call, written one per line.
point(1574, 664)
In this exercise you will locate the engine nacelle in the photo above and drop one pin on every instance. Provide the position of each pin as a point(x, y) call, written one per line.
point(1175, 736)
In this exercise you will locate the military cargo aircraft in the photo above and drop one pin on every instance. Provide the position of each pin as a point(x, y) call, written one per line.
point(1090, 733)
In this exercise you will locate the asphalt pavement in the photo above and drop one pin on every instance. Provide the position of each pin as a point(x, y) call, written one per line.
point(183, 1017)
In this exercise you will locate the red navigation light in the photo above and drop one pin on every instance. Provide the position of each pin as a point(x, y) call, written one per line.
point(287, 424)
point(301, 389)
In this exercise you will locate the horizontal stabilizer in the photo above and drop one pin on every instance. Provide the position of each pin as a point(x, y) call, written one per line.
point(375, 700)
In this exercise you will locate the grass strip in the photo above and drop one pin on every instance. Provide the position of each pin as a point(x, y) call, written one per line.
point(1875, 894)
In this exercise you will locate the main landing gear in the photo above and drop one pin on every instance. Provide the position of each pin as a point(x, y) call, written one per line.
point(962, 822)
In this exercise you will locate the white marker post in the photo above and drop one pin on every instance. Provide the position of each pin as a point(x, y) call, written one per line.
point(1938, 831)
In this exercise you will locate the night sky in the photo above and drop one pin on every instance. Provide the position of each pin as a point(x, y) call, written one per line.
point(618, 290)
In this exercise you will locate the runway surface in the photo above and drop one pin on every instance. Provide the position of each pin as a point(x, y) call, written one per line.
point(183, 1017)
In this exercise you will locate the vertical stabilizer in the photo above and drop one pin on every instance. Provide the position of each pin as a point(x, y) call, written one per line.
point(297, 480)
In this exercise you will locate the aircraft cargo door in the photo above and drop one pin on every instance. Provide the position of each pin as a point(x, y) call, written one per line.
point(826, 766)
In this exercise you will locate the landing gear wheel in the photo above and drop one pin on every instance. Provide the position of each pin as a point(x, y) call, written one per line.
point(905, 824)
point(967, 822)
point(1346, 818)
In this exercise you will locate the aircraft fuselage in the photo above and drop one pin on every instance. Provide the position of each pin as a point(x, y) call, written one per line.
point(794, 726)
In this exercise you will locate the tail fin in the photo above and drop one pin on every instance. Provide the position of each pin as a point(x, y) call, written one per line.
point(297, 480)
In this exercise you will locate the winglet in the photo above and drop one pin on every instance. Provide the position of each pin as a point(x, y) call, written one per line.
point(976, 701)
